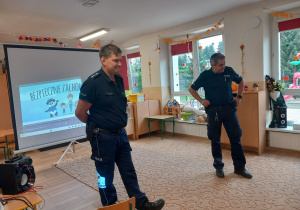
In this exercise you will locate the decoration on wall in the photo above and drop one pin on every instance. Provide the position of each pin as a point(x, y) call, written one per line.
point(285, 78)
point(187, 38)
point(79, 45)
point(283, 14)
point(96, 45)
point(37, 39)
point(242, 62)
point(200, 47)
point(172, 41)
point(149, 63)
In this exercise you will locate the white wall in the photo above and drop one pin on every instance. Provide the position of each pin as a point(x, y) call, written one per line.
point(149, 54)
point(236, 31)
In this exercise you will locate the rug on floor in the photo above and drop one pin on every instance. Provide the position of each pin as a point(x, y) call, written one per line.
point(180, 171)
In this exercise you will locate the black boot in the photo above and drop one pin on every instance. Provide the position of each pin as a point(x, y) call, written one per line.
point(156, 205)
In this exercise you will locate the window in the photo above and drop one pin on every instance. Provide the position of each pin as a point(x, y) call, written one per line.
point(134, 63)
point(182, 72)
point(186, 69)
point(205, 48)
point(288, 35)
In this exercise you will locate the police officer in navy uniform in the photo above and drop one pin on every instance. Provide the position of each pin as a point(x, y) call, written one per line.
point(220, 106)
point(103, 95)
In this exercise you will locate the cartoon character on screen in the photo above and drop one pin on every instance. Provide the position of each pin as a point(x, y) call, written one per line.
point(76, 103)
point(52, 107)
point(63, 106)
point(70, 98)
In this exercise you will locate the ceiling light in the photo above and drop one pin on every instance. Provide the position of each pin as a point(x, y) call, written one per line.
point(90, 3)
point(95, 34)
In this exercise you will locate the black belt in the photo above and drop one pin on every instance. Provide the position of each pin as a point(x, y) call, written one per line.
point(107, 132)
point(220, 108)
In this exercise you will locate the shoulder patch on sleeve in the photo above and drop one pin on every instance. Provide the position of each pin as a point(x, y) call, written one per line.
point(95, 75)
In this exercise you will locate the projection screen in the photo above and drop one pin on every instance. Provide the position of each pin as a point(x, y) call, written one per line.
point(44, 85)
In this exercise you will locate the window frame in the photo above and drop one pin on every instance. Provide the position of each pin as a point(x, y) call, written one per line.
point(196, 68)
point(130, 84)
point(276, 61)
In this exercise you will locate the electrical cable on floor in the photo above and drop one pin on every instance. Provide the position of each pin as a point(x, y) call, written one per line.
point(18, 198)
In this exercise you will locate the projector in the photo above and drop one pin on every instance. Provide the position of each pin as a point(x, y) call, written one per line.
point(16, 175)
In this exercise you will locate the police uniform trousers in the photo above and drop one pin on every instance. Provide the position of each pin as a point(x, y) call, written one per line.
point(108, 150)
point(231, 124)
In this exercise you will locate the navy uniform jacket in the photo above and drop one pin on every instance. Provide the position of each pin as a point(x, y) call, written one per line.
point(217, 87)
point(108, 100)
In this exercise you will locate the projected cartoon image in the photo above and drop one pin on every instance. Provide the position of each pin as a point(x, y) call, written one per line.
point(52, 107)
point(57, 97)
point(70, 98)
point(63, 106)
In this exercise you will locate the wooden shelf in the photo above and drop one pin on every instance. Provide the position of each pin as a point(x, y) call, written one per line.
point(141, 111)
point(252, 118)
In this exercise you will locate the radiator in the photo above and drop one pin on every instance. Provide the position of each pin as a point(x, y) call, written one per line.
point(284, 140)
point(188, 128)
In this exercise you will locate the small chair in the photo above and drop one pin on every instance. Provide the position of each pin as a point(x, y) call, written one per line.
point(3, 145)
point(7, 144)
point(124, 205)
point(10, 145)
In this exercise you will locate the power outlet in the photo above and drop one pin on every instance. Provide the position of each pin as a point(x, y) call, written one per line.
point(151, 92)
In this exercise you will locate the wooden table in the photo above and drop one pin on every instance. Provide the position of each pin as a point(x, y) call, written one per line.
point(33, 197)
point(162, 119)
point(5, 133)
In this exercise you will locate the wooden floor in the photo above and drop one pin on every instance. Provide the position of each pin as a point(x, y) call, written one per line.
point(59, 190)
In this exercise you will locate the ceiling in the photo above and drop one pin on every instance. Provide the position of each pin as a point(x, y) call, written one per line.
point(126, 19)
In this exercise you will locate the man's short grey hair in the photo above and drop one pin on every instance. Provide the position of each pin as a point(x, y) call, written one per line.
point(106, 50)
point(215, 58)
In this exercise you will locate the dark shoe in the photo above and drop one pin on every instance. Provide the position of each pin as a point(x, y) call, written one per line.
point(156, 205)
point(243, 173)
point(220, 173)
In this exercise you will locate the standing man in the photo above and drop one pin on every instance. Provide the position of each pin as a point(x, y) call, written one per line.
point(103, 95)
point(220, 106)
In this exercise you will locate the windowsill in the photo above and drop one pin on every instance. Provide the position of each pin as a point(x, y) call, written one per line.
point(289, 129)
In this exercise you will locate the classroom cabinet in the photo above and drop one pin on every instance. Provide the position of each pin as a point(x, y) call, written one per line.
point(252, 117)
point(142, 110)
